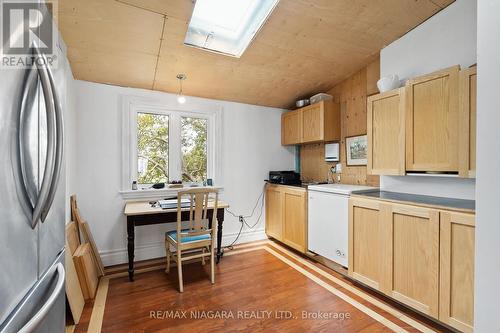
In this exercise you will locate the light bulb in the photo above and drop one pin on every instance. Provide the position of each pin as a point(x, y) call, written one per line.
point(181, 99)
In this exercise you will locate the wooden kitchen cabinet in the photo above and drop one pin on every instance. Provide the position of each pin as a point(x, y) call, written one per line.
point(420, 256)
point(294, 212)
point(274, 210)
point(286, 215)
point(291, 127)
point(386, 133)
point(319, 122)
point(457, 237)
point(366, 237)
point(467, 122)
point(411, 256)
point(432, 122)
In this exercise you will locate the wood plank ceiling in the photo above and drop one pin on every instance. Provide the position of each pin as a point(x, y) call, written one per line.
point(306, 46)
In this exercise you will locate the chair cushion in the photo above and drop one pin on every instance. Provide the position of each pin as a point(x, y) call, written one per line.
point(173, 234)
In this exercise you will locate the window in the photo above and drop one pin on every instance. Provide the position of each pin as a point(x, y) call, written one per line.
point(162, 144)
point(152, 148)
point(194, 149)
point(227, 26)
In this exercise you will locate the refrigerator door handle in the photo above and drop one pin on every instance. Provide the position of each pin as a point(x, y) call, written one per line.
point(48, 174)
point(28, 193)
point(31, 325)
point(59, 144)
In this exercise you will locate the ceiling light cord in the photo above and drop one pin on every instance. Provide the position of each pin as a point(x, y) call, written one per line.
point(180, 97)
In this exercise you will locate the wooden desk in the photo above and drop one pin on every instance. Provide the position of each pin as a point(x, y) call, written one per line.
point(141, 213)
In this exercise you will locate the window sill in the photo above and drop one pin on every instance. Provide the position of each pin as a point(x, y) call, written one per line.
point(152, 194)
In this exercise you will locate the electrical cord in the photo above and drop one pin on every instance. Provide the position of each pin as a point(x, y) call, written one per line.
point(243, 219)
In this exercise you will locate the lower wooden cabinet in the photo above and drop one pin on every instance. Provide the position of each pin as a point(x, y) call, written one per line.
point(274, 210)
point(365, 242)
point(419, 256)
point(286, 218)
point(294, 221)
point(456, 303)
point(411, 262)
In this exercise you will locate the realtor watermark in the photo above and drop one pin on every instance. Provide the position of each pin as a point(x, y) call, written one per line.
point(248, 315)
point(27, 30)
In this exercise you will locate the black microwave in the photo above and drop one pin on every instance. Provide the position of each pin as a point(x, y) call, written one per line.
point(284, 177)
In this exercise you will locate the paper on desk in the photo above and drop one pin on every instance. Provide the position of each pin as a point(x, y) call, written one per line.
point(172, 203)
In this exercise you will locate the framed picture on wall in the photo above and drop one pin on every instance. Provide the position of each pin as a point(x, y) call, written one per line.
point(356, 150)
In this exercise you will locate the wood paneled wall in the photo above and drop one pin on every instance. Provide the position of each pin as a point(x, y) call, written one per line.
point(351, 94)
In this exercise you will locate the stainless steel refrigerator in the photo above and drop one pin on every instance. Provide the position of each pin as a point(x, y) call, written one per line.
point(32, 199)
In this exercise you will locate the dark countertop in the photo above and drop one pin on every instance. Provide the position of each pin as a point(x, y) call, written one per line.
point(423, 200)
point(302, 184)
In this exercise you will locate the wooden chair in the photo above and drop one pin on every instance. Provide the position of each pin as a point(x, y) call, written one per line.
point(198, 235)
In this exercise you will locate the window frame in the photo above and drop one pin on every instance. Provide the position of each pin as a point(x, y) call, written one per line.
point(133, 106)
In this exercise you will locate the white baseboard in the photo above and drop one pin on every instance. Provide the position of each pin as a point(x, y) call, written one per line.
point(157, 249)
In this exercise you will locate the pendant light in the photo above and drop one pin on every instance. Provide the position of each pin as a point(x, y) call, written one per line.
point(181, 99)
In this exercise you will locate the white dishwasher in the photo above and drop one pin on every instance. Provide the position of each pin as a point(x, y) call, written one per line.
point(328, 221)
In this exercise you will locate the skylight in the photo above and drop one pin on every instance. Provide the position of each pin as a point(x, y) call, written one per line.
point(227, 26)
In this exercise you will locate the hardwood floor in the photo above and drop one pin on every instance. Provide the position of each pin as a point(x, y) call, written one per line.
point(261, 288)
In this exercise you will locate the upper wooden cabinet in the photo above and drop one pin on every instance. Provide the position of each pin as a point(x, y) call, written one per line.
point(318, 122)
point(286, 215)
point(291, 127)
point(321, 122)
point(386, 130)
point(467, 122)
point(432, 122)
point(456, 291)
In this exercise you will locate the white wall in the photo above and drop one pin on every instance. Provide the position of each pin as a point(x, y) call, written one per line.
point(447, 187)
point(250, 148)
point(446, 39)
point(487, 275)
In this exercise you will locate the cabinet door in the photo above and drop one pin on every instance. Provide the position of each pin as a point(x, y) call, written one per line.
point(432, 122)
point(385, 129)
point(274, 210)
point(365, 242)
point(313, 123)
point(294, 222)
point(291, 127)
point(332, 121)
point(467, 121)
point(411, 263)
point(456, 304)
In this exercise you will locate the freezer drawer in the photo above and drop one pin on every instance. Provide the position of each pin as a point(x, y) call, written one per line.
point(43, 309)
point(328, 225)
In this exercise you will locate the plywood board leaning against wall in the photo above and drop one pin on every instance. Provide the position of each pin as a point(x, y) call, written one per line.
point(351, 94)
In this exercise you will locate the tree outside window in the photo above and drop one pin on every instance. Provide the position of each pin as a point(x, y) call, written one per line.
point(152, 148)
point(194, 149)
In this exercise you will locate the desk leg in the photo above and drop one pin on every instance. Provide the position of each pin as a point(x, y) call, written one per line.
point(220, 221)
point(130, 246)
